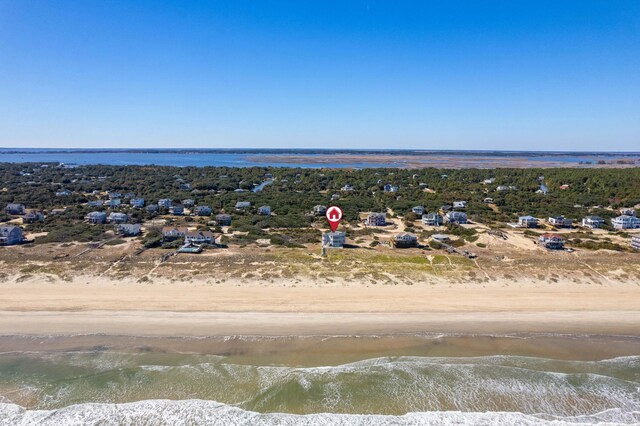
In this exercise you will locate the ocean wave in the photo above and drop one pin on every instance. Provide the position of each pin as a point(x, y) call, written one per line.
point(199, 412)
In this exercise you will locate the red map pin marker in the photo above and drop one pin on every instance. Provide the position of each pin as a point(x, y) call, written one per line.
point(334, 216)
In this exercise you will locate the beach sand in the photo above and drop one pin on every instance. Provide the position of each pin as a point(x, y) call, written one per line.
point(231, 308)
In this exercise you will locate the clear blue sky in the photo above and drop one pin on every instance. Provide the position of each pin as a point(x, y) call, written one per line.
point(560, 75)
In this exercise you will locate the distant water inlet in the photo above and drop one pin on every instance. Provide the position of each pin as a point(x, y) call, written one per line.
point(504, 389)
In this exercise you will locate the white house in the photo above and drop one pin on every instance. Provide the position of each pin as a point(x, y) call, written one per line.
point(560, 222)
point(635, 242)
point(128, 229)
point(592, 222)
point(198, 237)
point(456, 217)
point(170, 233)
point(432, 219)
point(527, 222)
point(625, 222)
point(333, 239)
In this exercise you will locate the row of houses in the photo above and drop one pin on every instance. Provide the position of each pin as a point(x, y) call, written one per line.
point(591, 222)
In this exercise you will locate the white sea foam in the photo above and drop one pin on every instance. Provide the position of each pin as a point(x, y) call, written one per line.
point(199, 412)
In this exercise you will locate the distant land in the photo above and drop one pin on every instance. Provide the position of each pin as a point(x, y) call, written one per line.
point(317, 158)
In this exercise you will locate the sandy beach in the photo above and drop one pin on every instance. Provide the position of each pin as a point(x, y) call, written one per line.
point(163, 309)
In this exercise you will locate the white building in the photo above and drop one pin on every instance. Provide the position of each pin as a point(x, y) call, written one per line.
point(527, 222)
point(592, 222)
point(333, 239)
point(432, 219)
point(625, 222)
point(456, 217)
point(560, 222)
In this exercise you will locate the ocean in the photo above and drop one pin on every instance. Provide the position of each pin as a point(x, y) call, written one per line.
point(313, 158)
point(370, 380)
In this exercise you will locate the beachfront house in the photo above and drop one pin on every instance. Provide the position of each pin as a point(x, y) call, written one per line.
point(177, 210)
point(319, 210)
point(96, 217)
point(432, 219)
point(592, 222)
point(560, 222)
point(243, 205)
point(128, 229)
point(170, 233)
point(458, 218)
point(223, 219)
point(14, 209)
point(376, 219)
point(199, 237)
point(459, 204)
point(10, 235)
point(635, 242)
point(202, 211)
point(137, 203)
point(527, 222)
point(419, 210)
point(551, 241)
point(117, 217)
point(333, 239)
point(189, 203)
point(627, 211)
point(390, 188)
point(165, 203)
point(625, 222)
point(404, 240)
point(264, 211)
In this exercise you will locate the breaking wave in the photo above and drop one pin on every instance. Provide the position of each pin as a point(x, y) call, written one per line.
point(199, 412)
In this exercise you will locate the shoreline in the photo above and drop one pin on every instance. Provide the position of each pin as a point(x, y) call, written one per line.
point(268, 324)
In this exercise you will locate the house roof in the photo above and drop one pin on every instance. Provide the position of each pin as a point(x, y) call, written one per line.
point(549, 236)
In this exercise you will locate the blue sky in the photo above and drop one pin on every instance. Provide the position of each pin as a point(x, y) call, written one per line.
point(556, 75)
